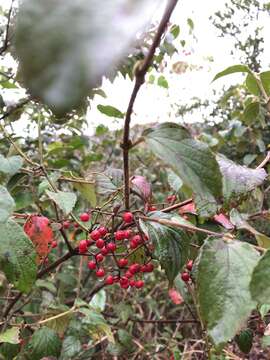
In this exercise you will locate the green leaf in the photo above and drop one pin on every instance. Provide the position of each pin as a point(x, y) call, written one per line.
point(17, 256)
point(173, 144)
point(88, 192)
point(174, 180)
point(238, 179)
point(171, 245)
point(7, 204)
point(61, 323)
point(109, 182)
point(223, 276)
point(251, 112)
point(111, 111)
point(244, 340)
point(252, 86)
point(23, 200)
point(10, 165)
point(71, 60)
point(10, 336)
point(163, 82)
point(70, 348)
point(64, 200)
point(45, 342)
point(231, 70)
point(265, 79)
point(175, 31)
point(260, 283)
point(98, 301)
point(264, 309)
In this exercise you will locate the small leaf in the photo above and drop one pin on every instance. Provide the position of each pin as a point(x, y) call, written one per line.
point(110, 111)
point(244, 340)
point(175, 31)
point(171, 245)
point(224, 221)
point(10, 165)
point(173, 144)
point(252, 86)
point(223, 276)
point(98, 301)
point(231, 70)
point(45, 342)
point(17, 256)
point(142, 186)
point(163, 82)
point(260, 283)
point(7, 204)
point(64, 200)
point(10, 336)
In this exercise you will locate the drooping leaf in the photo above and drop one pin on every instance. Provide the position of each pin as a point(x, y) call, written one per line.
point(64, 200)
point(10, 165)
point(188, 158)
point(238, 179)
point(231, 70)
point(171, 244)
point(224, 221)
point(71, 60)
point(45, 342)
point(7, 204)
point(110, 111)
point(40, 233)
point(223, 276)
point(10, 336)
point(109, 182)
point(260, 283)
point(142, 186)
point(17, 256)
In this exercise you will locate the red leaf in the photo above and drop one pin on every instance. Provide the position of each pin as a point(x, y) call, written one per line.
point(188, 208)
point(40, 233)
point(142, 186)
point(224, 221)
point(175, 297)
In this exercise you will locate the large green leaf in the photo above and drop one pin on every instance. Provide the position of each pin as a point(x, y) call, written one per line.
point(231, 70)
point(223, 276)
point(171, 244)
point(71, 347)
point(17, 256)
point(7, 204)
point(60, 62)
point(252, 85)
point(109, 182)
point(260, 283)
point(192, 160)
point(87, 191)
point(64, 200)
point(238, 179)
point(45, 342)
point(10, 165)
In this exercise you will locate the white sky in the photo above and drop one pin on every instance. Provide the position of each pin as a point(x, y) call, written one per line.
point(158, 104)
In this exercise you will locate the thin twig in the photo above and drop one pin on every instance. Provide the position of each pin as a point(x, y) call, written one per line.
point(265, 161)
point(139, 80)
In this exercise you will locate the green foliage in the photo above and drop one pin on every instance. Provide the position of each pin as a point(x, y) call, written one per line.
point(233, 69)
point(259, 287)
point(44, 342)
point(7, 204)
point(244, 340)
point(110, 111)
point(10, 165)
point(10, 336)
point(65, 200)
point(223, 288)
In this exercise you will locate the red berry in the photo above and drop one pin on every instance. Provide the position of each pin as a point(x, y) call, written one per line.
point(66, 224)
point(104, 251)
point(91, 265)
point(100, 243)
point(171, 198)
point(54, 244)
point(128, 274)
point(128, 233)
point(133, 244)
point(111, 246)
point(139, 284)
point(119, 235)
point(128, 217)
point(189, 265)
point(76, 225)
point(100, 272)
point(152, 208)
point(95, 235)
point(99, 257)
point(185, 276)
point(83, 246)
point(116, 279)
point(124, 283)
point(103, 231)
point(89, 242)
point(122, 262)
point(132, 282)
point(109, 280)
point(134, 268)
point(144, 268)
point(85, 217)
point(137, 239)
point(150, 267)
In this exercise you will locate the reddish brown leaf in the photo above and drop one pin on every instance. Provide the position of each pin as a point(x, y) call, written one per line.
point(142, 186)
point(175, 297)
point(224, 221)
point(39, 231)
point(188, 209)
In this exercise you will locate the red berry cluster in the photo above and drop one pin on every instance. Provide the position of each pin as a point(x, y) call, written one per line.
point(185, 275)
point(103, 245)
